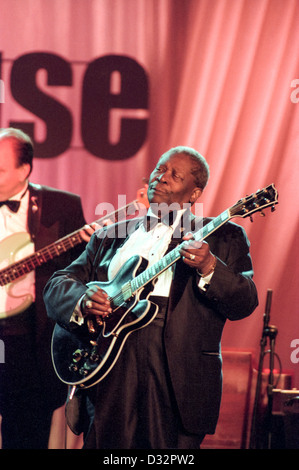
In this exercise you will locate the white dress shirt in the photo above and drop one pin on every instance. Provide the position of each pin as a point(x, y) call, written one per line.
point(151, 245)
point(15, 244)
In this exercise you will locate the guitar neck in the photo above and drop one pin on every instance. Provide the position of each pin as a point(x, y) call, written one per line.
point(31, 262)
point(174, 255)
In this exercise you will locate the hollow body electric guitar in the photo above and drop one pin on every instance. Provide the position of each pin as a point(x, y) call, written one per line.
point(12, 276)
point(85, 355)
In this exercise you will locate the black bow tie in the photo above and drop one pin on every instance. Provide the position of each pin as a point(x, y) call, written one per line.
point(12, 205)
point(150, 221)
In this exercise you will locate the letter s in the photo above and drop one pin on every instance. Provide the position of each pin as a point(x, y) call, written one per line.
point(24, 89)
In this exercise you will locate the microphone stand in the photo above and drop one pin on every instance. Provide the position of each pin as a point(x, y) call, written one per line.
point(272, 333)
point(269, 331)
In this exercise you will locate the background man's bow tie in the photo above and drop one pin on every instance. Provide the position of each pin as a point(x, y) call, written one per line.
point(12, 205)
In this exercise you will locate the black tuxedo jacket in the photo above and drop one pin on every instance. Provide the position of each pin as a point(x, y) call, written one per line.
point(195, 319)
point(52, 214)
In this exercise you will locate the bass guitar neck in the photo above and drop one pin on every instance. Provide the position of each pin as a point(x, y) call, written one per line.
point(14, 299)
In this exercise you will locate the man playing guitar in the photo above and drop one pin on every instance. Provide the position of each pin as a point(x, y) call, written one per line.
point(162, 388)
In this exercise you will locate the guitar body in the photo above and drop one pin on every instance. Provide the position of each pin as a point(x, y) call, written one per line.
point(14, 297)
point(82, 358)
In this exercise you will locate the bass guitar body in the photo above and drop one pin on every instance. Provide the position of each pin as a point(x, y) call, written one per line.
point(84, 355)
point(14, 295)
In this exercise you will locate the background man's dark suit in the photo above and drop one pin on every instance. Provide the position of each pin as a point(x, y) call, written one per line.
point(195, 319)
point(30, 377)
point(58, 214)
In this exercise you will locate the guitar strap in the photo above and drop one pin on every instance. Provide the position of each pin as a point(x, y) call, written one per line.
point(35, 209)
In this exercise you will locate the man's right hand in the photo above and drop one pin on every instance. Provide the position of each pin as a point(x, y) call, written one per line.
point(95, 302)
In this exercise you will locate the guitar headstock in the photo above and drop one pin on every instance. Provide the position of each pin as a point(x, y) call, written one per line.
point(256, 202)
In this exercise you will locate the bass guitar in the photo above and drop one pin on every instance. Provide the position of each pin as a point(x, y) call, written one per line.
point(84, 356)
point(14, 298)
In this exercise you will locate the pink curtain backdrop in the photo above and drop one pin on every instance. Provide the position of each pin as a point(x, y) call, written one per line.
point(223, 78)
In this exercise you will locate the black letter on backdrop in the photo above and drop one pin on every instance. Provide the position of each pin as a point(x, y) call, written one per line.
point(57, 118)
point(98, 100)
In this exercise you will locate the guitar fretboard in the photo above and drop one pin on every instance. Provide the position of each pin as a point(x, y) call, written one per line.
point(31, 262)
point(170, 258)
point(28, 264)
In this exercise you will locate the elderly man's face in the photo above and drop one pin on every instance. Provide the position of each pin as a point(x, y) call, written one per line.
point(172, 181)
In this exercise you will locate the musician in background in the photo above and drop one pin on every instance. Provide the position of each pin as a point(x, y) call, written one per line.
point(164, 390)
point(31, 217)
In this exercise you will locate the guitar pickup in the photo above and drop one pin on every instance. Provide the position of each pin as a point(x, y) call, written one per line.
point(126, 291)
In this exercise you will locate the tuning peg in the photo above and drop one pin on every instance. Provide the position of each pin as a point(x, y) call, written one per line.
point(251, 219)
point(272, 208)
point(262, 214)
